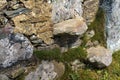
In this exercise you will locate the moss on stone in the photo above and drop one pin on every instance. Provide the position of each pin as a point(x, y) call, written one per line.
point(75, 53)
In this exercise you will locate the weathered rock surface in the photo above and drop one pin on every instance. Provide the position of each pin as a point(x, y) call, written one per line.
point(3, 21)
point(15, 73)
point(45, 71)
point(76, 65)
point(112, 27)
point(100, 56)
point(37, 22)
point(76, 44)
point(13, 47)
point(89, 44)
point(17, 12)
point(90, 34)
point(66, 16)
point(3, 77)
point(14, 4)
point(59, 68)
point(92, 43)
point(3, 3)
point(29, 3)
point(66, 9)
point(72, 26)
point(90, 8)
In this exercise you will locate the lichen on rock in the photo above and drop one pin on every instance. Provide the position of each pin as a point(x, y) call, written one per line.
point(66, 9)
point(37, 22)
point(13, 48)
point(90, 8)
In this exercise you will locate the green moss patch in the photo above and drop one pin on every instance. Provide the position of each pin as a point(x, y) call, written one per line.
point(55, 54)
point(110, 73)
point(88, 73)
point(98, 25)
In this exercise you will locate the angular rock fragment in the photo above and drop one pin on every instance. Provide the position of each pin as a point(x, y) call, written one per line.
point(90, 8)
point(3, 3)
point(13, 47)
point(99, 56)
point(72, 26)
point(76, 65)
point(90, 34)
point(29, 3)
point(3, 21)
point(17, 12)
point(15, 73)
point(76, 44)
point(14, 4)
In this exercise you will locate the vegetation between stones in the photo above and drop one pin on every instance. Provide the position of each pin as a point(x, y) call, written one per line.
point(98, 25)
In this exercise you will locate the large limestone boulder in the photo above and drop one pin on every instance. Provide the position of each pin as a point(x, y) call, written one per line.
point(13, 47)
point(112, 26)
point(72, 26)
point(100, 56)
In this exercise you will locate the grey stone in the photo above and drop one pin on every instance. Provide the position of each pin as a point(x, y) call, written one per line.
point(76, 65)
point(18, 72)
point(14, 47)
point(112, 26)
point(64, 49)
point(92, 43)
point(99, 56)
point(45, 71)
point(89, 44)
point(37, 41)
point(90, 34)
point(76, 44)
point(96, 43)
point(14, 4)
point(33, 37)
point(59, 68)
point(66, 9)
point(3, 77)
point(17, 12)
